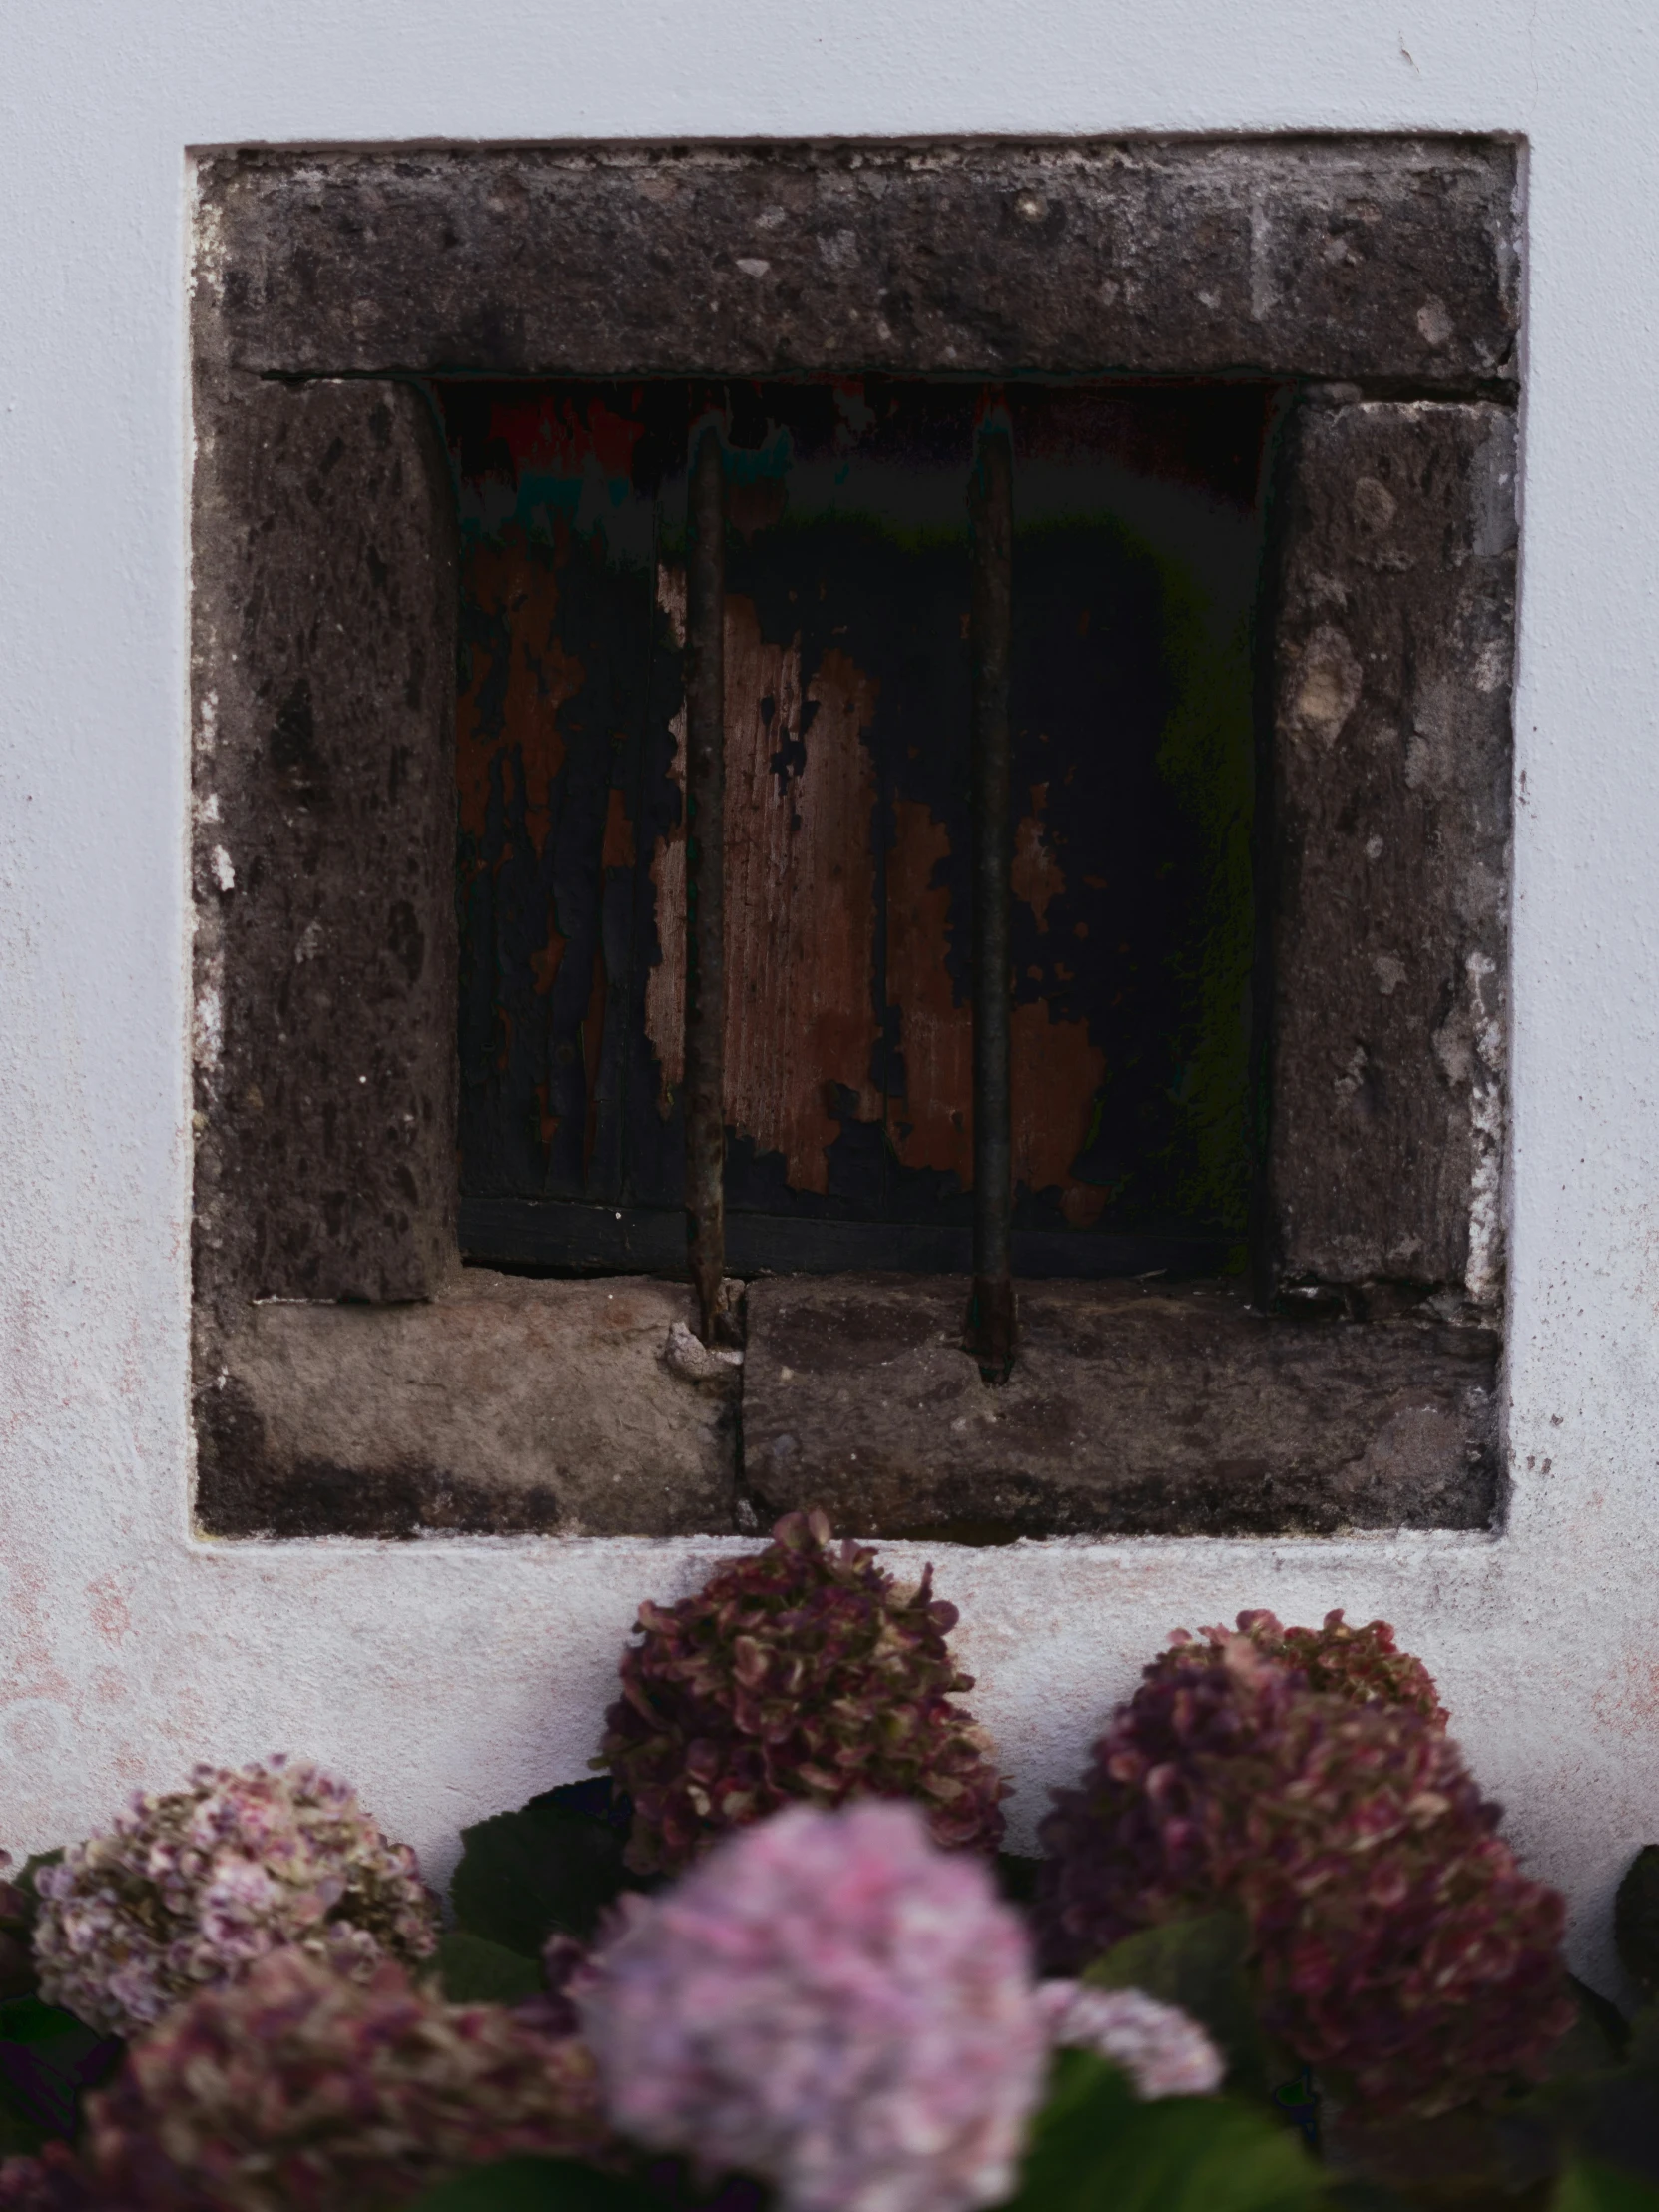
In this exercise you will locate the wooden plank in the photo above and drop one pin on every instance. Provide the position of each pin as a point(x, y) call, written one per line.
point(572, 1238)
point(553, 718)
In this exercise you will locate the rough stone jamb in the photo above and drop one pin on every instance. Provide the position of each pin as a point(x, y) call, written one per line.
point(324, 621)
point(323, 616)
point(1392, 802)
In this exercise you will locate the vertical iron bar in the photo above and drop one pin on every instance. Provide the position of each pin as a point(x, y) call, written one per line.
point(705, 877)
point(991, 1323)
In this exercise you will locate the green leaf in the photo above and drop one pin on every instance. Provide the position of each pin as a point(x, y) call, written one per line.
point(25, 1879)
point(1016, 1877)
point(20, 2137)
point(537, 2185)
point(30, 2020)
point(1200, 1964)
point(1477, 2158)
point(1096, 2148)
point(551, 1867)
point(473, 1970)
point(1642, 2051)
point(1365, 2196)
point(1598, 2038)
point(1588, 2186)
point(1609, 2118)
point(1636, 1920)
point(47, 2058)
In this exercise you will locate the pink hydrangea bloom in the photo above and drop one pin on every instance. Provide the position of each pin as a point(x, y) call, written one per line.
point(1162, 2049)
point(829, 2002)
point(187, 1891)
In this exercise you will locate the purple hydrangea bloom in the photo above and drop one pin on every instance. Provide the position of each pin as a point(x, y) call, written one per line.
point(1395, 1940)
point(1365, 1665)
point(55, 2181)
point(1162, 2049)
point(831, 2002)
point(187, 1891)
point(802, 1673)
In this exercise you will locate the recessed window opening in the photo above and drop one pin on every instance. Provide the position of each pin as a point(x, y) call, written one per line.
point(1137, 548)
point(898, 509)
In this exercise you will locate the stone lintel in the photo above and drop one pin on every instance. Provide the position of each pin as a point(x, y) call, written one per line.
point(1387, 259)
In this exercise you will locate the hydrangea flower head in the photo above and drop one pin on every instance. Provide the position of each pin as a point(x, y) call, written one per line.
point(188, 1890)
point(55, 2181)
point(1363, 1665)
point(18, 1908)
point(297, 2087)
point(1162, 2049)
point(1395, 1938)
point(800, 1673)
point(831, 2002)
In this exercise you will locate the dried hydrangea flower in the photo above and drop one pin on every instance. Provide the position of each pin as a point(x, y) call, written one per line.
point(1162, 2049)
point(800, 1673)
point(1364, 1664)
point(187, 1891)
point(831, 2002)
point(295, 2087)
point(18, 1908)
point(55, 2181)
point(1395, 1938)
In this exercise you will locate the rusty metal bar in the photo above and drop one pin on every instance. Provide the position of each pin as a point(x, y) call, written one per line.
point(991, 1317)
point(705, 1084)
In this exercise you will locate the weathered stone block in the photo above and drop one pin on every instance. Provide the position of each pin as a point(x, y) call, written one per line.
point(324, 624)
point(500, 1404)
point(1391, 806)
point(1385, 257)
point(1131, 1409)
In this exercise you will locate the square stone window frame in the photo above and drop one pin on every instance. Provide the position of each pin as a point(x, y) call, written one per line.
point(349, 1376)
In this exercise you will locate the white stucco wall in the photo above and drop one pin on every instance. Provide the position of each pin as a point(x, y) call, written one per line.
point(452, 1678)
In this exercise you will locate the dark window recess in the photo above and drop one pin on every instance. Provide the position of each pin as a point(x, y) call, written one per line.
point(1138, 541)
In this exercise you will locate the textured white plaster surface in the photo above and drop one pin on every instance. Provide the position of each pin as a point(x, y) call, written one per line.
point(453, 1678)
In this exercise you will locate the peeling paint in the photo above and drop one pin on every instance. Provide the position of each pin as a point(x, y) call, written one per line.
point(1056, 1075)
point(665, 987)
point(849, 1067)
point(800, 899)
point(509, 719)
point(929, 1115)
point(1037, 876)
